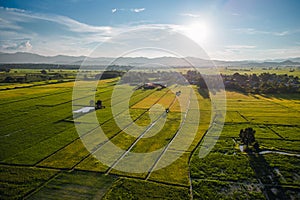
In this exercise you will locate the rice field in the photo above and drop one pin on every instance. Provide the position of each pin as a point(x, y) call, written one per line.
point(43, 156)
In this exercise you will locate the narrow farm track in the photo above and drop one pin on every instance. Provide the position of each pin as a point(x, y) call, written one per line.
point(62, 170)
point(39, 104)
point(275, 132)
point(170, 142)
point(242, 116)
point(30, 193)
point(138, 138)
point(274, 136)
point(44, 116)
point(35, 85)
point(51, 136)
point(41, 186)
point(36, 97)
point(44, 156)
point(116, 134)
point(280, 104)
point(88, 132)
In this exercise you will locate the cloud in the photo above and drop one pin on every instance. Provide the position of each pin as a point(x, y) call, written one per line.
point(14, 9)
point(17, 15)
point(69, 37)
point(137, 10)
point(72, 37)
point(240, 47)
point(15, 45)
point(8, 25)
point(190, 15)
point(252, 31)
point(283, 33)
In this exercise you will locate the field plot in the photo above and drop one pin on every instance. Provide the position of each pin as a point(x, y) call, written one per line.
point(273, 172)
point(75, 185)
point(135, 189)
point(41, 146)
point(17, 182)
point(39, 138)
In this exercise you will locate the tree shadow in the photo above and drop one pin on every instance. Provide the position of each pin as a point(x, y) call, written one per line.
point(204, 93)
point(269, 181)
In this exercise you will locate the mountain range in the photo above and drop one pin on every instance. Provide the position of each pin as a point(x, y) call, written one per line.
point(30, 58)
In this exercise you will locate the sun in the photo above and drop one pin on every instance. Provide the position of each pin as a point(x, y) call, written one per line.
point(197, 31)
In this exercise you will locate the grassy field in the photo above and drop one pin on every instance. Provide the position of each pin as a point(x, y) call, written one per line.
point(228, 173)
point(43, 157)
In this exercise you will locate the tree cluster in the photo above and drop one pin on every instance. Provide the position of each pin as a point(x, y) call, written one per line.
point(265, 83)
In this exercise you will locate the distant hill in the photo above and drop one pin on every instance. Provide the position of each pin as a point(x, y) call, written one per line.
point(23, 57)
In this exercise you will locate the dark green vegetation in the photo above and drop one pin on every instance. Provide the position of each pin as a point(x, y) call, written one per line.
point(133, 189)
point(42, 156)
point(17, 182)
point(264, 83)
point(273, 171)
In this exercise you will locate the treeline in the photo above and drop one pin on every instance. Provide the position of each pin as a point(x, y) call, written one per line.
point(33, 77)
point(36, 66)
point(162, 77)
point(5, 67)
point(265, 83)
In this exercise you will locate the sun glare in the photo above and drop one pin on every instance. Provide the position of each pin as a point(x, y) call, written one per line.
point(197, 31)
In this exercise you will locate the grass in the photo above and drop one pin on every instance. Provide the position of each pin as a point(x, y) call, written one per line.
point(43, 149)
point(76, 185)
point(92, 164)
point(16, 182)
point(227, 173)
point(136, 189)
point(67, 157)
point(286, 132)
point(38, 131)
point(224, 190)
point(176, 172)
point(224, 162)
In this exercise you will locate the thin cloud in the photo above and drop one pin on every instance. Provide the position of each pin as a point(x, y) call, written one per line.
point(137, 10)
point(18, 15)
point(8, 25)
point(13, 9)
point(240, 47)
point(15, 45)
point(76, 38)
point(190, 15)
point(252, 31)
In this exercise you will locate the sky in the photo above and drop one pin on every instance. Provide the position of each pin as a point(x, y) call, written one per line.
point(224, 29)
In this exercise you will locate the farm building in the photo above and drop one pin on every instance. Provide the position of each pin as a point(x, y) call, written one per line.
point(152, 86)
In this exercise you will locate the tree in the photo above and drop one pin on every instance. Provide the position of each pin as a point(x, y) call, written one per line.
point(247, 136)
point(43, 71)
